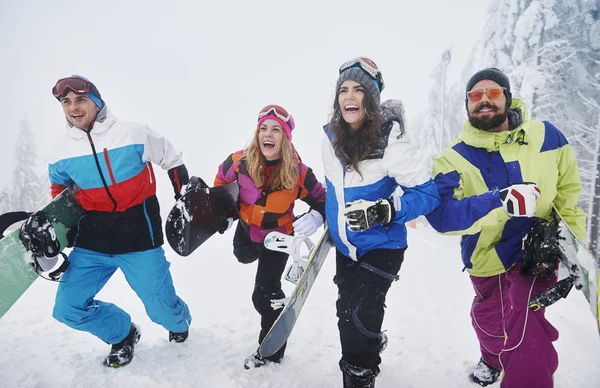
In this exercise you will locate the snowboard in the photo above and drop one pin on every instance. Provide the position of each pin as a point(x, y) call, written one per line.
point(283, 326)
point(16, 272)
point(197, 215)
point(583, 270)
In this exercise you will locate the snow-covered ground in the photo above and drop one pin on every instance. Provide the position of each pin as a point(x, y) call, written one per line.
point(427, 321)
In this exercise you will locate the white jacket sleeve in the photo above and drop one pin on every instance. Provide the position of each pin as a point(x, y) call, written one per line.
point(159, 150)
point(403, 161)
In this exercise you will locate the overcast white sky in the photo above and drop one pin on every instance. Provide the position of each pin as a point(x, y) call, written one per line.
point(199, 71)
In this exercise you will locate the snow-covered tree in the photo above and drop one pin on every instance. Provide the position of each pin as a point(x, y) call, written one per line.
point(25, 192)
point(43, 189)
point(431, 129)
point(5, 204)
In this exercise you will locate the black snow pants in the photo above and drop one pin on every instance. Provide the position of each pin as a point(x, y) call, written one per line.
point(362, 288)
point(267, 284)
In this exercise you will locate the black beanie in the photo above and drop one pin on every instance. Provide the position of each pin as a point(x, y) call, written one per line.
point(495, 75)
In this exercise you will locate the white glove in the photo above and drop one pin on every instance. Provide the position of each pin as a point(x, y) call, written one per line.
point(308, 223)
point(519, 200)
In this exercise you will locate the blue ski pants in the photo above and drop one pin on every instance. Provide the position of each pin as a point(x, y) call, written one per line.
point(147, 273)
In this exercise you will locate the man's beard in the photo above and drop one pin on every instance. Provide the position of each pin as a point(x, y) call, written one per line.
point(487, 123)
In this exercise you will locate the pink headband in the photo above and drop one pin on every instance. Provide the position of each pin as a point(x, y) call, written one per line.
point(286, 128)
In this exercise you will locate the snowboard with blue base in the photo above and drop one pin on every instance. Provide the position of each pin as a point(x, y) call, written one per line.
point(16, 270)
point(283, 326)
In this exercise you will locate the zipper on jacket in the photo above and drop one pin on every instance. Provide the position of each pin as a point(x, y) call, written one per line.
point(110, 172)
point(100, 170)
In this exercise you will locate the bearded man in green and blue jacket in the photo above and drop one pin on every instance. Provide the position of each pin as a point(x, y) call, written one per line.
point(503, 170)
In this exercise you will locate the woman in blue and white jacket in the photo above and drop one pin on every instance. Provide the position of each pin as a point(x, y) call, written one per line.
point(367, 158)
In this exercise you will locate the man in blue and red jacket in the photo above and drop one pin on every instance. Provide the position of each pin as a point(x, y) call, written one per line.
point(109, 163)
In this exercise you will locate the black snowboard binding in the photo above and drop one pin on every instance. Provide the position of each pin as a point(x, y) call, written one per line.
point(542, 252)
point(39, 238)
point(8, 219)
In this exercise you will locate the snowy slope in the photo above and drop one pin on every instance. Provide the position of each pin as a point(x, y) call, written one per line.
point(427, 321)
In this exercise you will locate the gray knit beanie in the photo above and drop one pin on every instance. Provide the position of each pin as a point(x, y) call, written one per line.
point(360, 76)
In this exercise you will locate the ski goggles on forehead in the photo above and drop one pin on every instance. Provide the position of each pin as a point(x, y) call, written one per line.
point(368, 66)
point(277, 111)
point(491, 93)
point(76, 84)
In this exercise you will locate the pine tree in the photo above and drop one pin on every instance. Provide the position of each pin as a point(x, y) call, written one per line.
point(25, 183)
point(5, 204)
point(43, 190)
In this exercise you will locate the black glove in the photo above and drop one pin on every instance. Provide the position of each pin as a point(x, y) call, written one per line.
point(362, 215)
point(542, 252)
point(225, 225)
point(179, 178)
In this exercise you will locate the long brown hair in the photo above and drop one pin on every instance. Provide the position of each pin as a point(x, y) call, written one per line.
point(353, 146)
point(285, 176)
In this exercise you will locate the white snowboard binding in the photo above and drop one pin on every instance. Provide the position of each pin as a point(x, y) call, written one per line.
point(291, 245)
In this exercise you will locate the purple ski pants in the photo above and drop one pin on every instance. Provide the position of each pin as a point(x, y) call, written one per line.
point(511, 336)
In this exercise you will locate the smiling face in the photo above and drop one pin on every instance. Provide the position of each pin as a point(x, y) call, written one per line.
point(350, 99)
point(270, 139)
point(486, 114)
point(79, 109)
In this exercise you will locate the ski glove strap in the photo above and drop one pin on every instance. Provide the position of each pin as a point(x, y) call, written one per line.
point(542, 252)
point(362, 215)
point(519, 200)
point(308, 223)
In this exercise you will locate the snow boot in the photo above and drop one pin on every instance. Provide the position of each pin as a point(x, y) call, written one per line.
point(178, 337)
point(255, 360)
point(484, 374)
point(356, 376)
point(121, 354)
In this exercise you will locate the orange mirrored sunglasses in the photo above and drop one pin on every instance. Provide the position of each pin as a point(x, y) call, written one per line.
point(492, 94)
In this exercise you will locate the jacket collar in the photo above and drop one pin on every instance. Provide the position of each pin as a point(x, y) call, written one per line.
point(104, 120)
point(491, 141)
